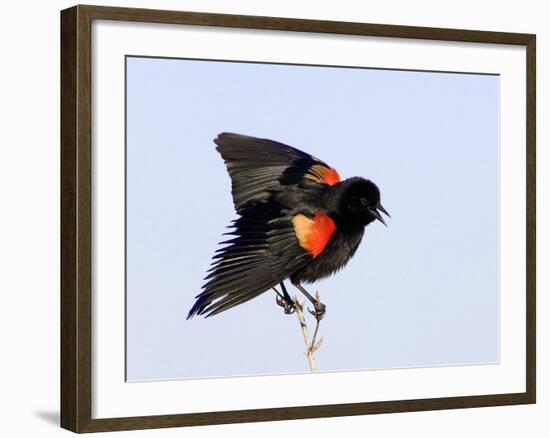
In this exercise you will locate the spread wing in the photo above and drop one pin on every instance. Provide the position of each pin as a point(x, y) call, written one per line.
point(264, 251)
point(258, 167)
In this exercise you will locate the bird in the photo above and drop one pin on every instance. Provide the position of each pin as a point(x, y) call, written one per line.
point(296, 220)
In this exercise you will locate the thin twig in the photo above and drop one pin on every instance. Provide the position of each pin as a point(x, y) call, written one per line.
point(298, 307)
point(302, 320)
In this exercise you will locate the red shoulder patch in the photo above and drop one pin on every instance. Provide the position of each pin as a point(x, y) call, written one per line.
point(323, 175)
point(331, 176)
point(313, 233)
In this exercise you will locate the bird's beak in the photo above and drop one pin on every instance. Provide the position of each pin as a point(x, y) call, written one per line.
point(383, 210)
point(377, 215)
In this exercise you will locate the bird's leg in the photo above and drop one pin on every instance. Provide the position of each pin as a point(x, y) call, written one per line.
point(285, 301)
point(319, 307)
point(287, 297)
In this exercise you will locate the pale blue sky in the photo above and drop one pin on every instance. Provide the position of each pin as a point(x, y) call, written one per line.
point(422, 292)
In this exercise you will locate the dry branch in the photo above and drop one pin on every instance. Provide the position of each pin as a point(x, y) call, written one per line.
point(313, 346)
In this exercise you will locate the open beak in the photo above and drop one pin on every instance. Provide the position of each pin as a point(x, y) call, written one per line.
point(383, 210)
point(377, 215)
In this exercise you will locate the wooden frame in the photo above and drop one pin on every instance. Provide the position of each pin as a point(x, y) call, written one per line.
point(76, 238)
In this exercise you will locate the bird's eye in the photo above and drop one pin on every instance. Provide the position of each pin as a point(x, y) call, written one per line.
point(364, 202)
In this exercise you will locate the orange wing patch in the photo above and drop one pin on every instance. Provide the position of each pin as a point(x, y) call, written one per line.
point(323, 175)
point(313, 233)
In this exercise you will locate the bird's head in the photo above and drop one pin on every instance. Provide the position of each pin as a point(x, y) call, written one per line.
point(360, 202)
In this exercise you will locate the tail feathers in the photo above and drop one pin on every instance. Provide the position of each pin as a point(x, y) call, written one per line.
point(198, 307)
point(208, 304)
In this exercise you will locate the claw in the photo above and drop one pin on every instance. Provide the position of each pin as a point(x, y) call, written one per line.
point(289, 309)
point(319, 311)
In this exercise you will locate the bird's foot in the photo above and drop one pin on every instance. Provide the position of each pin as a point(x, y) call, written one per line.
point(320, 310)
point(288, 307)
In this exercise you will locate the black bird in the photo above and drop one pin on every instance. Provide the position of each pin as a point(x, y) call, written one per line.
point(297, 220)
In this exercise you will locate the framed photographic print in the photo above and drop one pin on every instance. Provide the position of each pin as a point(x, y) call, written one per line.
point(305, 218)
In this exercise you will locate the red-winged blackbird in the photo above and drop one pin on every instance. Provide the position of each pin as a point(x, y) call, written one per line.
point(297, 220)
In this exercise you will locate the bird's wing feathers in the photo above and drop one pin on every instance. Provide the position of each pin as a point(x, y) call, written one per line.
point(258, 166)
point(263, 252)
